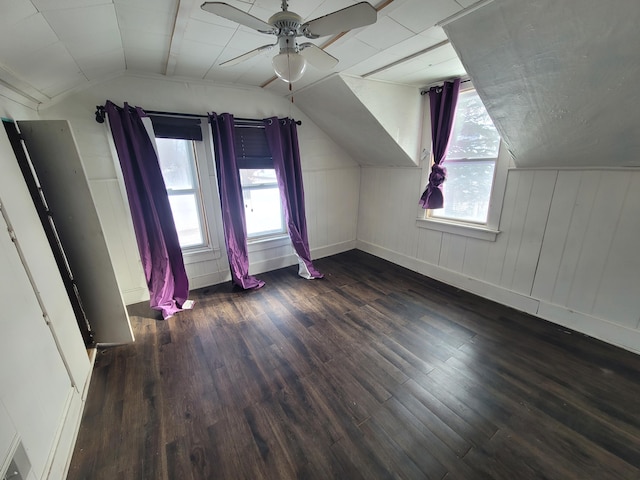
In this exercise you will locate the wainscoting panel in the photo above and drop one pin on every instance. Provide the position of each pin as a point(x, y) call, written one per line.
point(568, 239)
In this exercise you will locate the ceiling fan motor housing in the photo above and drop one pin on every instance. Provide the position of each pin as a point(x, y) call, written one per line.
point(287, 23)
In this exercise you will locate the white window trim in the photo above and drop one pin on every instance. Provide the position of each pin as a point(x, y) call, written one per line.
point(488, 231)
point(269, 235)
point(206, 174)
point(260, 244)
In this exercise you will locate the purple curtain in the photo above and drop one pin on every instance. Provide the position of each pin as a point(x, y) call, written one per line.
point(443, 102)
point(235, 231)
point(153, 223)
point(282, 138)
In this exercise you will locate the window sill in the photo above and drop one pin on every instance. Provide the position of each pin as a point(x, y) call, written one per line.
point(198, 255)
point(465, 229)
point(267, 243)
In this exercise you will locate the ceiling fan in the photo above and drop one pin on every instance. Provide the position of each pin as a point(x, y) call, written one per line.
point(291, 62)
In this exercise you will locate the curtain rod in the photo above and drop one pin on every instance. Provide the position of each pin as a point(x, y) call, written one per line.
point(425, 90)
point(100, 116)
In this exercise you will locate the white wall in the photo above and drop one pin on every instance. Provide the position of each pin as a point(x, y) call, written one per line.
point(567, 250)
point(331, 177)
point(44, 368)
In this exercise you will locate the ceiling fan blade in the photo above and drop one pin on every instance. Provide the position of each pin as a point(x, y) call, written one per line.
point(317, 57)
point(236, 15)
point(247, 56)
point(355, 16)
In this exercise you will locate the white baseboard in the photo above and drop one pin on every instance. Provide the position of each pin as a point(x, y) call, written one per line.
point(621, 336)
point(209, 279)
point(291, 259)
point(618, 335)
point(483, 289)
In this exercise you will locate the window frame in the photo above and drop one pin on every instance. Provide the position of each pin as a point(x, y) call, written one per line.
point(196, 190)
point(483, 231)
point(209, 208)
point(253, 154)
point(265, 234)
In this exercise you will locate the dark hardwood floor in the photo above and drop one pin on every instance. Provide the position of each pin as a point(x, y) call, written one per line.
point(373, 372)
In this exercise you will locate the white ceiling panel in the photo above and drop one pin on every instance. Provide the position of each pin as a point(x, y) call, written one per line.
point(207, 33)
point(196, 59)
point(467, 3)
point(95, 46)
point(419, 15)
point(231, 73)
point(153, 42)
point(385, 33)
point(149, 20)
point(434, 57)
point(436, 34)
point(322, 8)
point(412, 45)
point(49, 5)
point(51, 70)
point(371, 63)
point(351, 53)
point(427, 76)
point(198, 14)
point(191, 67)
point(107, 63)
point(14, 11)
point(166, 6)
point(142, 60)
point(88, 22)
point(244, 40)
point(29, 34)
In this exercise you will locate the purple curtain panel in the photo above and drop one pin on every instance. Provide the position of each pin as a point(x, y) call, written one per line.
point(235, 232)
point(282, 137)
point(442, 101)
point(153, 223)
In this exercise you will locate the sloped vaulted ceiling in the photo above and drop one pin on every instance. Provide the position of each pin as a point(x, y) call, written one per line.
point(376, 122)
point(559, 78)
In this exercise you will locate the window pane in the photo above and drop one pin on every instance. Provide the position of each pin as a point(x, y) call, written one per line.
point(255, 177)
point(473, 135)
point(187, 219)
point(177, 163)
point(467, 190)
point(263, 212)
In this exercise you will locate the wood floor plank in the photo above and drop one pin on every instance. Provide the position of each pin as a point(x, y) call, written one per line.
point(373, 372)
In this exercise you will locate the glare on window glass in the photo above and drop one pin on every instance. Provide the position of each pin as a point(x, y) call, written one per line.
point(470, 162)
point(186, 218)
point(473, 134)
point(177, 163)
point(467, 190)
point(262, 207)
point(176, 158)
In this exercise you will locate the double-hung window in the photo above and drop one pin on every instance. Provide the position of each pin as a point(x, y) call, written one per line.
point(179, 144)
point(178, 164)
point(262, 207)
point(470, 162)
point(474, 170)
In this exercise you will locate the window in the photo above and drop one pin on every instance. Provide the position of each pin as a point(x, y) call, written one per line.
point(470, 162)
point(262, 207)
point(184, 162)
point(178, 164)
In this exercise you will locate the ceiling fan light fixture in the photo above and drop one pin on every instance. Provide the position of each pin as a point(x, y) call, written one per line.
point(289, 66)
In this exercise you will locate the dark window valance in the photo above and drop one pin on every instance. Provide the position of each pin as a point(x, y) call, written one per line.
point(252, 149)
point(176, 127)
